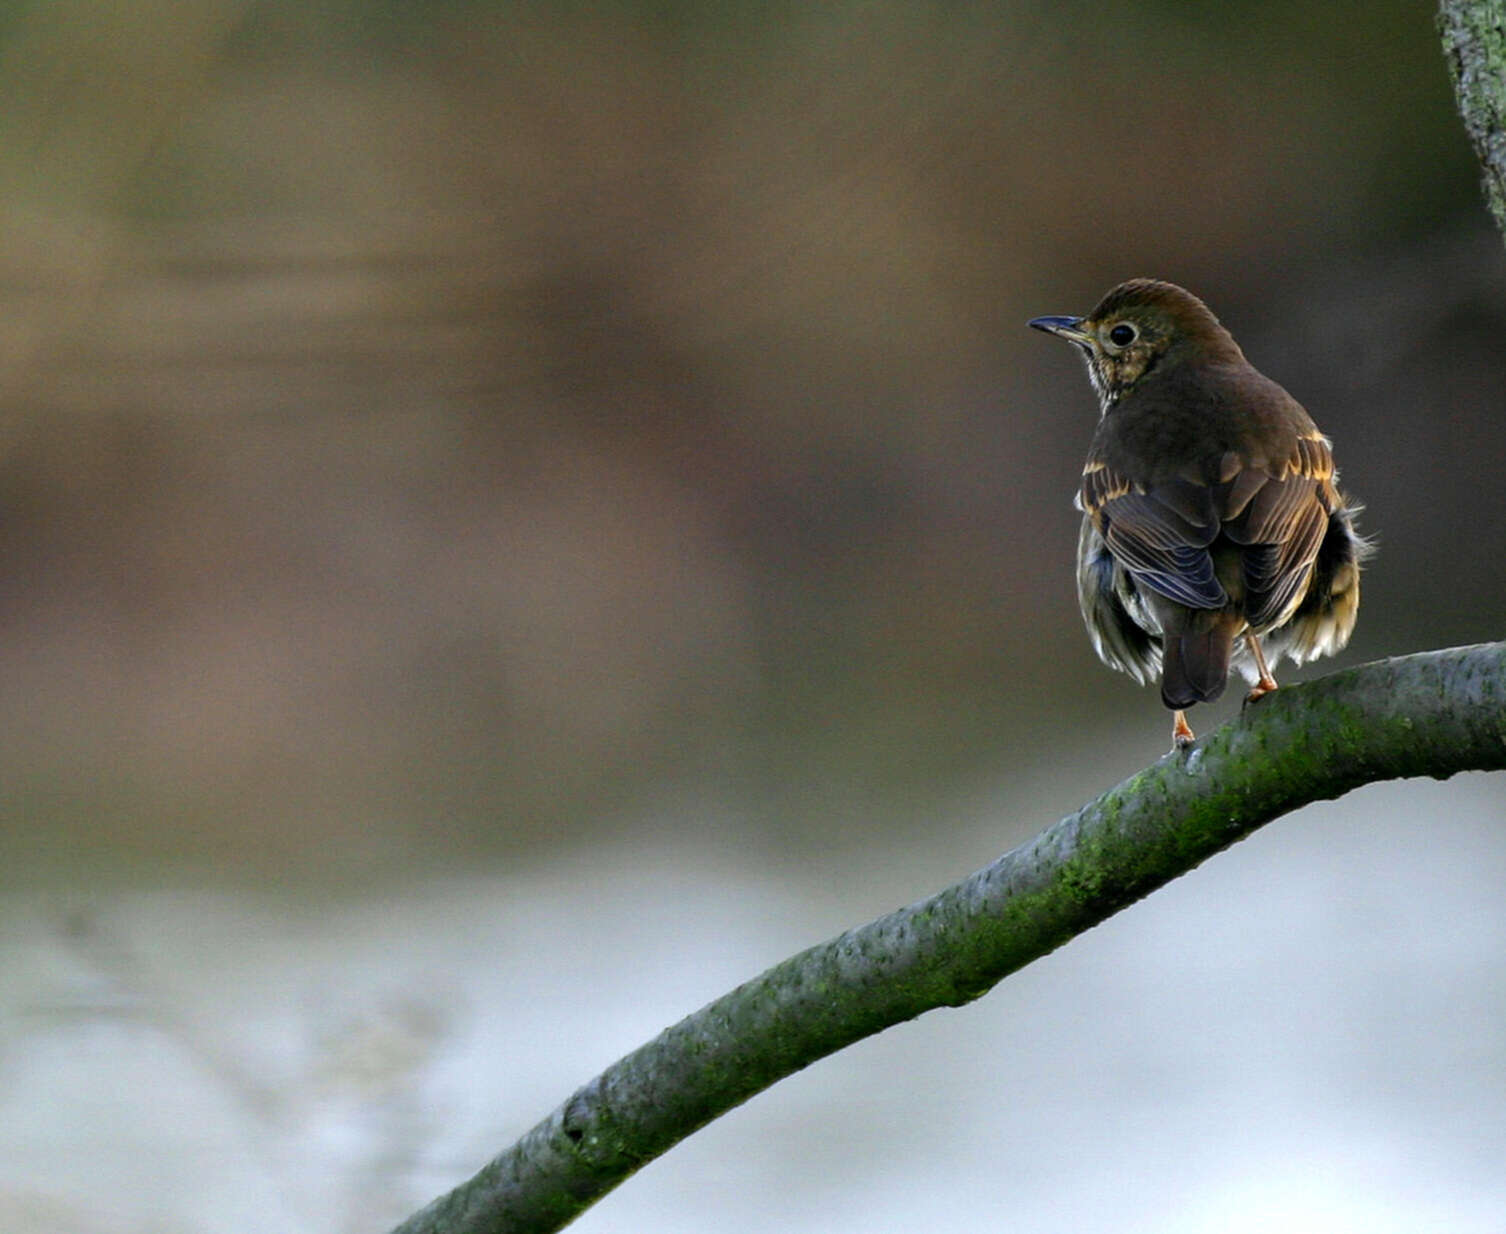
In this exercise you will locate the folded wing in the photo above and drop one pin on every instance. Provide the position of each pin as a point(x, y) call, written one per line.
point(1167, 535)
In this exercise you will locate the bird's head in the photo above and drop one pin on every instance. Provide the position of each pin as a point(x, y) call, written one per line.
point(1140, 327)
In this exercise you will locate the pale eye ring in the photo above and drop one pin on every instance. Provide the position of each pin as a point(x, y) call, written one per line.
point(1123, 334)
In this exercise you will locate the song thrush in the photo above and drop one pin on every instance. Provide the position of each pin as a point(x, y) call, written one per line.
point(1212, 521)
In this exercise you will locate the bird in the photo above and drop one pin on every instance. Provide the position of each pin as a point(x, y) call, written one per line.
point(1214, 532)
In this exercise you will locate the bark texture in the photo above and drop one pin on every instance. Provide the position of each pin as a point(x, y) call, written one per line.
point(1474, 45)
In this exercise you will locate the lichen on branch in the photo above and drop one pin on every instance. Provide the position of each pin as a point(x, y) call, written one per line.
point(1474, 47)
point(1432, 714)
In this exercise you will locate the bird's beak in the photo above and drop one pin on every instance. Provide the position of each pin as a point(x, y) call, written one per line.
point(1069, 328)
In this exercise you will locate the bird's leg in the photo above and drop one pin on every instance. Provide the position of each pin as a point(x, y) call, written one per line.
point(1181, 734)
point(1267, 683)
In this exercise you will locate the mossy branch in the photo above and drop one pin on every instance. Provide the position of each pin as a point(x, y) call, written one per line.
point(1474, 45)
point(1433, 714)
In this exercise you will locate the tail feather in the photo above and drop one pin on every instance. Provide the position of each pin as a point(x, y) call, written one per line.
point(1196, 660)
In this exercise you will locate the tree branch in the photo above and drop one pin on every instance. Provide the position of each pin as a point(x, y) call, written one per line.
point(1432, 714)
point(1474, 45)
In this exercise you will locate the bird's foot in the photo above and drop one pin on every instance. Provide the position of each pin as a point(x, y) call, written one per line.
point(1266, 685)
point(1182, 735)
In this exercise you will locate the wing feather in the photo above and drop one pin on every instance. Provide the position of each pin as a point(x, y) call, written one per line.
point(1164, 534)
point(1159, 534)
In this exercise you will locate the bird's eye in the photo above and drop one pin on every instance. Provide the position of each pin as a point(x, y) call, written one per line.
point(1122, 335)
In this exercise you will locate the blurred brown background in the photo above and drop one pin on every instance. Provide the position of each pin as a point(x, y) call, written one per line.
point(462, 438)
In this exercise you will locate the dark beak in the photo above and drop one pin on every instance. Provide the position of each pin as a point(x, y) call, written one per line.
point(1069, 328)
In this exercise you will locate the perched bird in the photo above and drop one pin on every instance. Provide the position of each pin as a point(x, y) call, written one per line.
point(1212, 523)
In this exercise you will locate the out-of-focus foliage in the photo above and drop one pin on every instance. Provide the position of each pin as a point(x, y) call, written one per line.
point(431, 427)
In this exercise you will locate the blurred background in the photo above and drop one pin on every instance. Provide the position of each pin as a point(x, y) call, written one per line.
point(515, 517)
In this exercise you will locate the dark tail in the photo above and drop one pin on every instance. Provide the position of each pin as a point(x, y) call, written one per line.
point(1195, 665)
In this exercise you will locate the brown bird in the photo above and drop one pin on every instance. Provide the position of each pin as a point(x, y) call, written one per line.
point(1210, 509)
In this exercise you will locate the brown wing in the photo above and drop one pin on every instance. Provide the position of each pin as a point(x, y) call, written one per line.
point(1279, 521)
point(1159, 533)
point(1162, 533)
